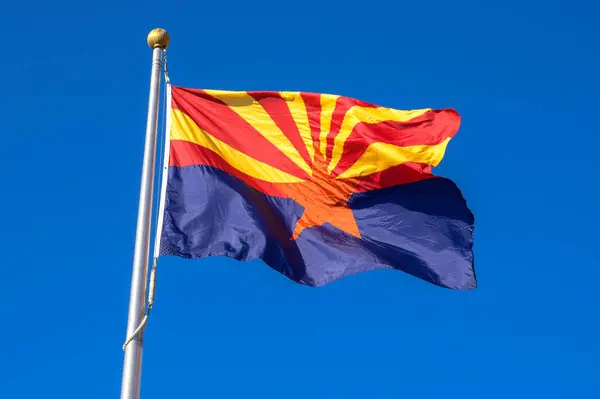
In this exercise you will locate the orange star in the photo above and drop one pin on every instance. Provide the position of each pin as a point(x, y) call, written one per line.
point(324, 200)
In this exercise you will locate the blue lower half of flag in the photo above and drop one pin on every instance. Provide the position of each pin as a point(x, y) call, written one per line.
point(422, 228)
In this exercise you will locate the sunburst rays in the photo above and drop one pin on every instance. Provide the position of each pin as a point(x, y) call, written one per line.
point(268, 135)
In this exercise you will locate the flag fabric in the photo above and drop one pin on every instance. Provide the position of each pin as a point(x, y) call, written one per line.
point(317, 186)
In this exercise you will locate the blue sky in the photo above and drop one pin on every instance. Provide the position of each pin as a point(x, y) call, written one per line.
point(524, 77)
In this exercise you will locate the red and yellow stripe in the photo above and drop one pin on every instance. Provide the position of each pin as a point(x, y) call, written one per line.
point(270, 139)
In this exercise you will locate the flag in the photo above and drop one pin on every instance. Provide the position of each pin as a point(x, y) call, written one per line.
point(317, 186)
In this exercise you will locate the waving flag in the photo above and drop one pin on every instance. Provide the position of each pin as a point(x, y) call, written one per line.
point(317, 186)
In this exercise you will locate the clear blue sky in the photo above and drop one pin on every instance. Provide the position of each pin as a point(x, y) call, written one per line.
point(524, 77)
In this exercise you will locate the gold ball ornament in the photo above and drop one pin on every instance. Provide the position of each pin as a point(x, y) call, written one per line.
point(158, 38)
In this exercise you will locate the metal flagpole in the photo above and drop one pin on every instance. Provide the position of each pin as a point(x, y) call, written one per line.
point(158, 40)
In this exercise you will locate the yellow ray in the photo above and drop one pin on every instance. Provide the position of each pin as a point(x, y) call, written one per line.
point(382, 156)
point(184, 128)
point(358, 114)
point(328, 103)
point(299, 113)
point(254, 114)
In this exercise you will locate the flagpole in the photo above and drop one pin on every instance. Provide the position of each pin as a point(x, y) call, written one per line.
point(158, 40)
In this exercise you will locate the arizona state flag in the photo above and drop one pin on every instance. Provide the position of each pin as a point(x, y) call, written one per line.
point(317, 186)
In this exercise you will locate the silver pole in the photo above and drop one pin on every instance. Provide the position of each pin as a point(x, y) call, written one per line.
point(158, 40)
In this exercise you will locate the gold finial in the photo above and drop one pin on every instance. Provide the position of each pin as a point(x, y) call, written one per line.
point(158, 38)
